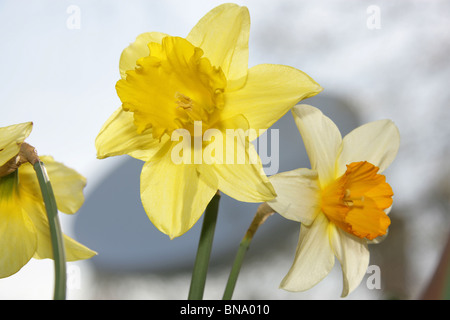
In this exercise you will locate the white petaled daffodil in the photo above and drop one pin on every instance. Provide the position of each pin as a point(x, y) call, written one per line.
point(172, 84)
point(24, 229)
point(342, 202)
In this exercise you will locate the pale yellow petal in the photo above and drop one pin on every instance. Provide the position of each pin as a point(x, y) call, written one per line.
point(136, 50)
point(376, 142)
point(236, 165)
point(314, 257)
point(244, 182)
point(174, 196)
point(67, 184)
point(223, 35)
point(298, 195)
point(322, 140)
point(353, 255)
point(73, 250)
point(11, 137)
point(118, 136)
point(270, 92)
point(18, 238)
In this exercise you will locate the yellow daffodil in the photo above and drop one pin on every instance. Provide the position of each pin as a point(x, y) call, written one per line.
point(172, 87)
point(24, 230)
point(342, 201)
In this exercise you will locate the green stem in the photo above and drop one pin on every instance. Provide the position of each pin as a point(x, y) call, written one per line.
point(446, 270)
point(204, 250)
point(263, 212)
point(232, 279)
point(55, 231)
point(446, 295)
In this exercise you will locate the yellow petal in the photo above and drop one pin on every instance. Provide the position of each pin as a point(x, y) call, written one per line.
point(322, 140)
point(174, 196)
point(118, 136)
point(376, 142)
point(223, 35)
point(136, 50)
point(67, 184)
point(353, 255)
point(18, 239)
point(270, 91)
point(298, 195)
point(237, 167)
point(11, 138)
point(314, 257)
point(36, 212)
point(244, 182)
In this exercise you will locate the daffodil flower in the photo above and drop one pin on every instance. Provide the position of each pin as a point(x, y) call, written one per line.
point(24, 229)
point(193, 85)
point(342, 201)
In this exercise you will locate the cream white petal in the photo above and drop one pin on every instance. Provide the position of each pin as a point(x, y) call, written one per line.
point(314, 258)
point(322, 140)
point(353, 255)
point(298, 195)
point(376, 142)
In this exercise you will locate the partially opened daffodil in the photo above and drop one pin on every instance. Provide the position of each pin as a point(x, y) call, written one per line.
point(342, 201)
point(24, 229)
point(200, 86)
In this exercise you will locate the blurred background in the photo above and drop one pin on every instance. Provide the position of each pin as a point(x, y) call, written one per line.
point(375, 60)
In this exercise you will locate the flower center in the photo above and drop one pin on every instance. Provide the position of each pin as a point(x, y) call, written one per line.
point(355, 202)
point(173, 87)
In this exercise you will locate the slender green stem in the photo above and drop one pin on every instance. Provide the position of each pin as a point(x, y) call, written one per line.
point(55, 231)
point(446, 266)
point(263, 212)
point(204, 250)
point(232, 279)
point(446, 295)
